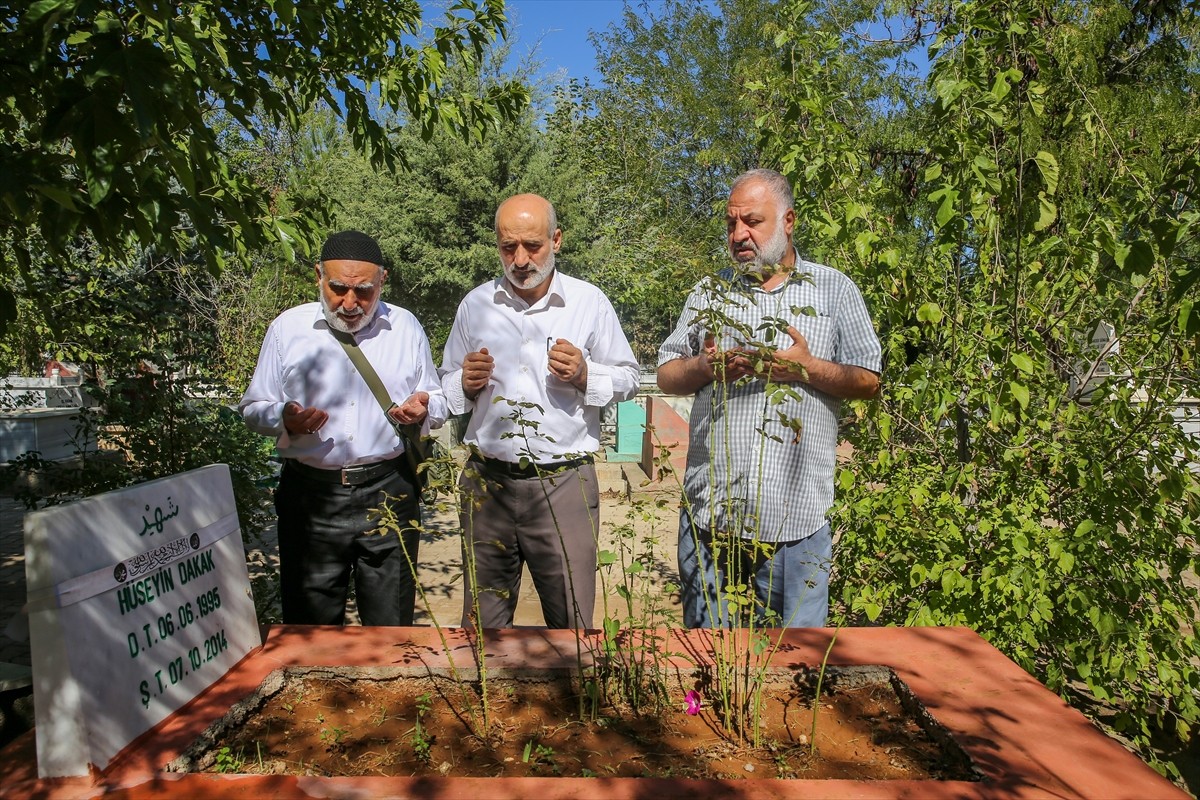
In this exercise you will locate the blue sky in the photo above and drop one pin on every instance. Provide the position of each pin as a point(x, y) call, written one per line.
point(558, 29)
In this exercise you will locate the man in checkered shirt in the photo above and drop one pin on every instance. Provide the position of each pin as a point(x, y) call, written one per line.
point(770, 348)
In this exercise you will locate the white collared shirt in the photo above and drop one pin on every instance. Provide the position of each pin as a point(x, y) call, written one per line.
point(301, 361)
point(525, 410)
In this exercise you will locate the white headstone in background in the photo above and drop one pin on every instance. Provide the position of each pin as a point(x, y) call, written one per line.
point(139, 599)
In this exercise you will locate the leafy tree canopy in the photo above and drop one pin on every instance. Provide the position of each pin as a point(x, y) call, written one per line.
point(1022, 225)
point(109, 125)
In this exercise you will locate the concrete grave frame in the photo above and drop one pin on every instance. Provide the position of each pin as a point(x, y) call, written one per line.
point(1022, 739)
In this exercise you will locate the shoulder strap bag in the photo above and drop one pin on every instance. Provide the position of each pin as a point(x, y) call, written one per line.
point(416, 448)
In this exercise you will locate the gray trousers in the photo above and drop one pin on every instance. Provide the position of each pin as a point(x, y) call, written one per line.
point(550, 523)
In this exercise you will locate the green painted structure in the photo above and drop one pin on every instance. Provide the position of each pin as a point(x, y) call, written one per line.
point(631, 428)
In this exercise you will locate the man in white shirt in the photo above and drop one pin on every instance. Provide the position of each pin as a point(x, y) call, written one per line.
point(535, 355)
point(342, 458)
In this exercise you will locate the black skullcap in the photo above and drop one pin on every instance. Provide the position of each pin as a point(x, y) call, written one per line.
point(352, 246)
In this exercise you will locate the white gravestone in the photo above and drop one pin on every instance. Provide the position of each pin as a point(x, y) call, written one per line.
point(139, 600)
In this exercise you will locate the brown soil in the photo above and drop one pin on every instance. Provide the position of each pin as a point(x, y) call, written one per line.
point(311, 722)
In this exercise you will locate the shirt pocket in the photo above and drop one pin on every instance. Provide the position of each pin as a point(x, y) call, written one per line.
point(818, 332)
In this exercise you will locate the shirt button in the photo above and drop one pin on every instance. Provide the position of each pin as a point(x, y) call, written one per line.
point(524, 369)
point(352, 438)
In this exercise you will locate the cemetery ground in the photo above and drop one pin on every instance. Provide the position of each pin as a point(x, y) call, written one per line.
point(631, 517)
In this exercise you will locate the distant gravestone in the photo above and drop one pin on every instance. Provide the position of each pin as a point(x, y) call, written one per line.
point(139, 599)
point(631, 427)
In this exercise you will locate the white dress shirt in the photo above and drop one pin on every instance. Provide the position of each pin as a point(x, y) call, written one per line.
point(301, 361)
point(525, 411)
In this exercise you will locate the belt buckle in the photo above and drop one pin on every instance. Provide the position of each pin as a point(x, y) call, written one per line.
point(350, 474)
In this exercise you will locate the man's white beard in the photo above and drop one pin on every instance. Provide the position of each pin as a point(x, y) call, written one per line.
point(340, 323)
point(532, 281)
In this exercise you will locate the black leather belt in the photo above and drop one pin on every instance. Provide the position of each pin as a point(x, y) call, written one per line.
point(508, 469)
point(347, 476)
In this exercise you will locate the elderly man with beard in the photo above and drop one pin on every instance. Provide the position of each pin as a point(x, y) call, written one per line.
point(535, 355)
point(770, 348)
point(342, 458)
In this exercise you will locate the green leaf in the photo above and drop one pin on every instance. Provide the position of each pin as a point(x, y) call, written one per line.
point(1047, 212)
point(948, 89)
point(606, 557)
point(864, 244)
point(1020, 393)
point(1001, 86)
point(1185, 313)
point(1048, 166)
point(183, 51)
point(1135, 257)
point(930, 312)
point(947, 210)
point(43, 7)
point(985, 163)
point(950, 579)
point(59, 195)
point(1022, 362)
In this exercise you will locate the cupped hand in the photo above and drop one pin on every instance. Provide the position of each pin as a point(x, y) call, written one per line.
point(476, 372)
point(299, 420)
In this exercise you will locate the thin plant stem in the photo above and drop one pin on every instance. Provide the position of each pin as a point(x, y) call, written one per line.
point(390, 521)
point(812, 737)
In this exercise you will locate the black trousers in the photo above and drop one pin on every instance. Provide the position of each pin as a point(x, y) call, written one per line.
point(329, 533)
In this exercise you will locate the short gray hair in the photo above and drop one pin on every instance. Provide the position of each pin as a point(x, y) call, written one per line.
point(774, 181)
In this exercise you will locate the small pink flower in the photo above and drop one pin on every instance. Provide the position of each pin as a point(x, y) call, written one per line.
point(692, 702)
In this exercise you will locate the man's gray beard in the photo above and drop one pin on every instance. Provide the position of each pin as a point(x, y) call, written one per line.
point(340, 324)
point(766, 260)
point(536, 280)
